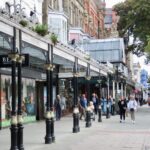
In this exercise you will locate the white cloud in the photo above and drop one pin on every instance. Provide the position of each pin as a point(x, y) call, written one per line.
point(141, 60)
point(110, 3)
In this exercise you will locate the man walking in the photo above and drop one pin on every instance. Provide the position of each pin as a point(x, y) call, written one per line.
point(83, 106)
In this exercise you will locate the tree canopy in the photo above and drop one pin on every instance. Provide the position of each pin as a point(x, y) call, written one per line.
point(135, 21)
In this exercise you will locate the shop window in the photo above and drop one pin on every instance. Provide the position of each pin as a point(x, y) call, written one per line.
point(28, 98)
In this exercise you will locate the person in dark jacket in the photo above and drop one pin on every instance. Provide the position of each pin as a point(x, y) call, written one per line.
point(83, 106)
point(122, 106)
point(57, 105)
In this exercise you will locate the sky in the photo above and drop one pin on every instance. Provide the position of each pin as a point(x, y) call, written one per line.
point(110, 3)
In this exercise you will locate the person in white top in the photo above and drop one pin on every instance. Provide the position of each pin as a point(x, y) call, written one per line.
point(132, 106)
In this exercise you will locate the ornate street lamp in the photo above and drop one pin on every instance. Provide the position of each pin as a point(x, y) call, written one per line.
point(107, 105)
point(19, 113)
point(49, 138)
point(14, 128)
point(99, 102)
point(88, 113)
point(76, 127)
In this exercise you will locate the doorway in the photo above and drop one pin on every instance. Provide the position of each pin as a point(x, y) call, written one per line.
point(41, 99)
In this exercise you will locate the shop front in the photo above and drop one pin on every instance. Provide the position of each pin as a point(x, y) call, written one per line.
point(28, 97)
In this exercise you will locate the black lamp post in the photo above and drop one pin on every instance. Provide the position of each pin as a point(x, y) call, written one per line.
point(113, 101)
point(99, 102)
point(14, 128)
point(19, 113)
point(49, 138)
point(117, 88)
point(76, 127)
point(88, 113)
point(107, 105)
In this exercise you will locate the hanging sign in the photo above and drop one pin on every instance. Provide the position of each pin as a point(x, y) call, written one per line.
point(5, 61)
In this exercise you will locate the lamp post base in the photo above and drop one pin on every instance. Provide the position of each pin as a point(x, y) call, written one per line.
point(107, 112)
point(76, 127)
point(99, 115)
point(14, 134)
point(52, 129)
point(48, 137)
point(88, 119)
point(113, 109)
point(20, 136)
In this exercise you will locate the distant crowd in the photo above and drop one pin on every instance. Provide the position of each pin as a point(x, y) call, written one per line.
point(108, 106)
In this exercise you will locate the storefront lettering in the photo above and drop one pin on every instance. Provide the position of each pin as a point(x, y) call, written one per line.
point(5, 61)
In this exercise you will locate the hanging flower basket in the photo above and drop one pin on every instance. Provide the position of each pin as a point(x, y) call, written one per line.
point(41, 29)
point(24, 23)
point(54, 38)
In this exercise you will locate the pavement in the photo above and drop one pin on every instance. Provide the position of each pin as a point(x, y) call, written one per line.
point(110, 134)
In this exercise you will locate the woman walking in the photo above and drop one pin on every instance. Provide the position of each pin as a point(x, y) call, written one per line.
point(122, 106)
point(132, 106)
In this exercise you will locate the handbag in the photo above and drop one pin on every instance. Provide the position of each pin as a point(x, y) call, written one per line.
point(131, 109)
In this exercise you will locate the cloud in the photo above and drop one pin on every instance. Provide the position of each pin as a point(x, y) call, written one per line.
point(110, 3)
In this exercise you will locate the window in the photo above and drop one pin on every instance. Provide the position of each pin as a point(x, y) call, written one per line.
point(28, 98)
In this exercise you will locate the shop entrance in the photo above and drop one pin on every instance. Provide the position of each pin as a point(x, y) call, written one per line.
point(41, 99)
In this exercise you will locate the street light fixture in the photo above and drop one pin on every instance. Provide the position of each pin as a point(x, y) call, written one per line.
point(88, 113)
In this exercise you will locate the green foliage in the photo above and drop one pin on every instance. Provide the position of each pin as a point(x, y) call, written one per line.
point(134, 20)
point(24, 23)
point(147, 48)
point(41, 29)
point(54, 38)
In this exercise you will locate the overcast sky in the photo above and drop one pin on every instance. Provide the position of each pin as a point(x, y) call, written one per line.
point(110, 3)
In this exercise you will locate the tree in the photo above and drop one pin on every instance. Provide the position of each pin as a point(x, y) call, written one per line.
point(135, 21)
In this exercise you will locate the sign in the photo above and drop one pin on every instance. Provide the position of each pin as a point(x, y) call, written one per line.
point(5, 61)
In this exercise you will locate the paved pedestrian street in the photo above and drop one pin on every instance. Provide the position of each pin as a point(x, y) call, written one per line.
point(108, 135)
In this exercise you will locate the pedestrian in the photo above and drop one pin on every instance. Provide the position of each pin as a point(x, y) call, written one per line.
point(63, 104)
point(95, 102)
point(104, 105)
point(110, 102)
point(127, 100)
point(83, 106)
point(132, 106)
point(57, 105)
point(92, 110)
point(122, 107)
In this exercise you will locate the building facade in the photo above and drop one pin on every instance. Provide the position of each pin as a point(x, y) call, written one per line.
point(110, 23)
point(34, 76)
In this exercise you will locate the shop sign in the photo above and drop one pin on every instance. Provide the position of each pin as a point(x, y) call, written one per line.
point(5, 61)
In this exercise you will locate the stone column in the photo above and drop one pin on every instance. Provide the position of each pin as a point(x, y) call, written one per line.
point(60, 5)
point(45, 11)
